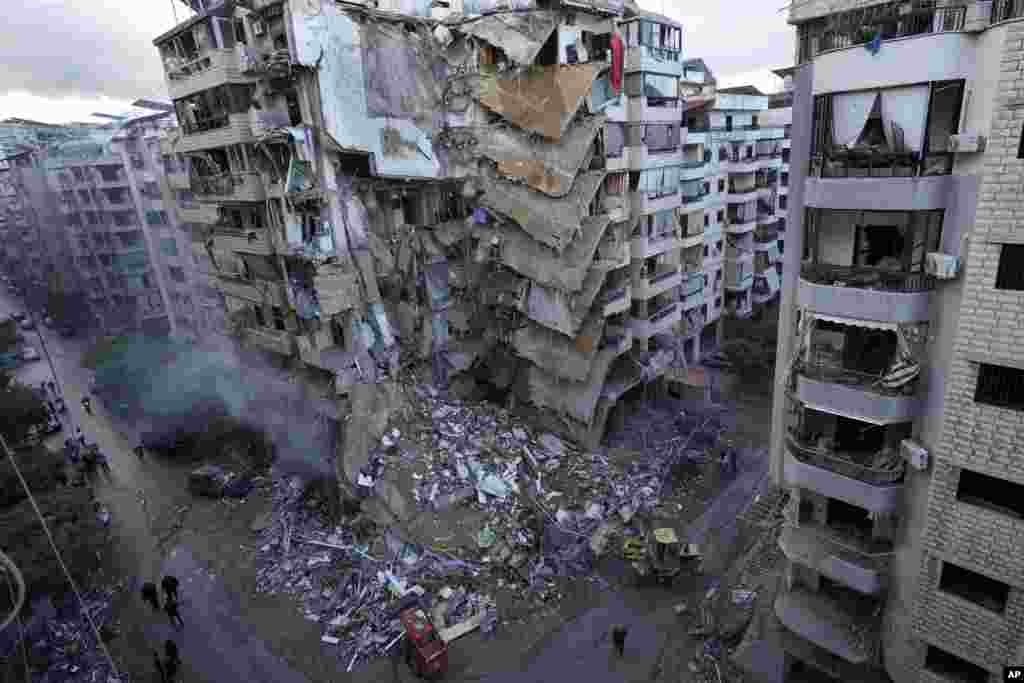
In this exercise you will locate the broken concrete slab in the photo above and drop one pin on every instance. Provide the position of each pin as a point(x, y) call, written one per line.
point(208, 481)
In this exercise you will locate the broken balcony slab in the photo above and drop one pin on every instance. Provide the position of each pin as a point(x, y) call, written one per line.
point(553, 222)
point(563, 312)
point(577, 400)
point(567, 357)
point(548, 167)
point(544, 100)
point(566, 271)
point(337, 289)
point(520, 36)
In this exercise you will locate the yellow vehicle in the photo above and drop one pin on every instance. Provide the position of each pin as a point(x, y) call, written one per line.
point(659, 556)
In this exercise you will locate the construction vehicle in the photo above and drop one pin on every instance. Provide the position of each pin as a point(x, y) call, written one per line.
point(657, 555)
point(426, 653)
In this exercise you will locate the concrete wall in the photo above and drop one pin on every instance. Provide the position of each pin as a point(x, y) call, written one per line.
point(917, 59)
point(881, 194)
point(800, 157)
point(977, 436)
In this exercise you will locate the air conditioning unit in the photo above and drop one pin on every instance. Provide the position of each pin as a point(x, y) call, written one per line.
point(966, 142)
point(915, 454)
point(258, 28)
point(941, 266)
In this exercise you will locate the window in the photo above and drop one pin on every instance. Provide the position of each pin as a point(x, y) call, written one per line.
point(721, 212)
point(993, 493)
point(656, 86)
point(278, 318)
point(974, 587)
point(721, 185)
point(156, 217)
point(707, 222)
point(1000, 386)
point(753, 121)
point(169, 246)
point(728, 123)
point(1011, 267)
point(782, 202)
point(951, 667)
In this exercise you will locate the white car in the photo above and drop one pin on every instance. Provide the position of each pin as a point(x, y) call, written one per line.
point(29, 354)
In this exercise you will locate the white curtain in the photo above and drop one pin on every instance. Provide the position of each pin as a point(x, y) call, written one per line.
point(850, 113)
point(907, 108)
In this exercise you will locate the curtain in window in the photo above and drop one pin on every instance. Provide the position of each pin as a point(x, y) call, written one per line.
point(905, 109)
point(850, 113)
point(614, 139)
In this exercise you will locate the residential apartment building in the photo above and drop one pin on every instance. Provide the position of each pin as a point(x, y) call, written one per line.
point(367, 207)
point(898, 429)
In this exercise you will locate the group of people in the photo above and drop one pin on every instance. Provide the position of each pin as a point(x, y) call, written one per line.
point(55, 405)
point(168, 666)
point(90, 456)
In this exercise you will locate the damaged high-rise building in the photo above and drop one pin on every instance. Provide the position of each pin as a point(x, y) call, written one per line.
point(494, 192)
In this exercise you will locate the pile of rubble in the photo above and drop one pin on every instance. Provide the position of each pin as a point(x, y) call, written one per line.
point(60, 645)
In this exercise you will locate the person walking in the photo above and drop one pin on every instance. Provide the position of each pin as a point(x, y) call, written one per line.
point(150, 595)
point(619, 638)
point(160, 667)
point(171, 607)
point(170, 586)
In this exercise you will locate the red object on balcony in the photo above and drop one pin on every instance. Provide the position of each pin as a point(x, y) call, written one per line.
point(618, 59)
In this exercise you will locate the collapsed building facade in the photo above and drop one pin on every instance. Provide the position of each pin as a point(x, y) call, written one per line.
point(492, 192)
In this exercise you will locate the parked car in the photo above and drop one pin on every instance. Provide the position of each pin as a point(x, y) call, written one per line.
point(29, 354)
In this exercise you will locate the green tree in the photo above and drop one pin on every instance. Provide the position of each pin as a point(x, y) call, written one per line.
point(20, 409)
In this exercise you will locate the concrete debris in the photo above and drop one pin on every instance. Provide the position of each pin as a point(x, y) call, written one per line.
point(208, 481)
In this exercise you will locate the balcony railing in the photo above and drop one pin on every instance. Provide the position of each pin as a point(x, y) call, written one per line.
point(204, 125)
point(864, 164)
point(694, 198)
point(847, 464)
point(862, 277)
point(663, 312)
point(846, 544)
point(693, 164)
point(663, 274)
point(833, 373)
point(1003, 10)
point(766, 234)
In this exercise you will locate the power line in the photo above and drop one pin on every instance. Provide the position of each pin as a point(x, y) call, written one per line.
point(60, 558)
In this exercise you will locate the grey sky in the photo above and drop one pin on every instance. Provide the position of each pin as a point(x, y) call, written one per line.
point(65, 58)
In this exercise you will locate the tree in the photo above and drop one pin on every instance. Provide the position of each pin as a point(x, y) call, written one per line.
point(20, 409)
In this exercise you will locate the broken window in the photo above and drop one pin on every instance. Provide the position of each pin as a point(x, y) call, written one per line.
point(1000, 386)
point(974, 587)
point(952, 668)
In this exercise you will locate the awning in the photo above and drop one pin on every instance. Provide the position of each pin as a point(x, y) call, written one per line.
point(855, 322)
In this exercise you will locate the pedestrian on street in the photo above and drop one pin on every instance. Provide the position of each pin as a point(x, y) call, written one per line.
point(160, 667)
point(170, 586)
point(172, 661)
point(150, 595)
point(171, 607)
point(79, 436)
point(619, 638)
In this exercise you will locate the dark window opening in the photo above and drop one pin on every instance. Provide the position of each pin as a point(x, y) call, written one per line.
point(753, 122)
point(1011, 267)
point(294, 111)
point(707, 220)
point(239, 30)
point(721, 188)
point(974, 587)
point(848, 518)
point(261, 320)
point(278, 319)
point(548, 54)
point(1000, 386)
point(728, 123)
point(953, 668)
point(1020, 145)
point(782, 201)
point(992, 493)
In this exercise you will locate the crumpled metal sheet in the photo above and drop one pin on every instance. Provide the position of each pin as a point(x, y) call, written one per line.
point(520, 36)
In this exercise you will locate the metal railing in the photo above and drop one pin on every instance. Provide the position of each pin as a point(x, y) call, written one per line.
point(858, 164)
point(862, 277)
point(1003, 10)
point(864, 27)
point(693, 199)
point(835, 462)
point(834, 373)
point(836, 543)
point(203, 125)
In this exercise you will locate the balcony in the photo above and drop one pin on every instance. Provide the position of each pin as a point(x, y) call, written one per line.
point(843, 625)
point(641, 157)
point(694, 201)
point(861, 564)
point(213, 68)
point(648, 286)
point(741, 222)
point(697, 136)
point(618, 338)
point(256, 291)
point(857, 394)
point(693, 170)
point(694, 236)
point(692, 294)
point(870, 164)
point(202, 214)
point(616, 300)
point(642, 246)
point(741, 195)
point(852, 478)
point(660, 322)
point(654, 109)
point(243, 187)
point(218, 131)
point(738, 281)
point(865, 293)
point(274, 341)
point(119, 179)
point(766, 235)
point(617, 162)
point(257, 241)
point(645, 202)
point(653, 59)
